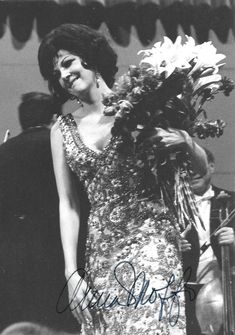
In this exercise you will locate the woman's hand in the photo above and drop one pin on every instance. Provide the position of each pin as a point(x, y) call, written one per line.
point(79, 297)
point(174, 139)
point(81, 301)
point(170, 138)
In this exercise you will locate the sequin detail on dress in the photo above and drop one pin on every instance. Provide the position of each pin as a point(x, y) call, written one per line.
point(131, 252)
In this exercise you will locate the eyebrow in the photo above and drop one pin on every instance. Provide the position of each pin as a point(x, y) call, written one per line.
point(65, 57)
point(56, 58)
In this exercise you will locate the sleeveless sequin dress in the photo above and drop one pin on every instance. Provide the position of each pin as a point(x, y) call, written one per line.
point(131, 255)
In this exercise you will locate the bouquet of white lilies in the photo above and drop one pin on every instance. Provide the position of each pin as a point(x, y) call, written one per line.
point(169, 89)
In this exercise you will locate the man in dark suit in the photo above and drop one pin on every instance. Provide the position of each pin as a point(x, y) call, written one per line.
point(201, 251)
point(31, 260)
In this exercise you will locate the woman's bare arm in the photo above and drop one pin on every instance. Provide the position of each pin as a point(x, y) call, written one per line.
point(68, 202)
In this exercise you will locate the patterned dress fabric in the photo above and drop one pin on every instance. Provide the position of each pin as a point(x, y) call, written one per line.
point(132, 260)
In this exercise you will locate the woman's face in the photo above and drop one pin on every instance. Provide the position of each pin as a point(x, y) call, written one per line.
point(72, 76)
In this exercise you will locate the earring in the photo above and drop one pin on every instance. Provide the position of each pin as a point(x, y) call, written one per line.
point(97, 77)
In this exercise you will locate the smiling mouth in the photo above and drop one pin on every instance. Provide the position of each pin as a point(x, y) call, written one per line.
point(71, 82)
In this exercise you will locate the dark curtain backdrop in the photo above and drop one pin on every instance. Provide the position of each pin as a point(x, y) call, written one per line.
point(119, 17)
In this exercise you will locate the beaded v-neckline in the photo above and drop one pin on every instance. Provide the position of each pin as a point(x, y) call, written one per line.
point(84, 145)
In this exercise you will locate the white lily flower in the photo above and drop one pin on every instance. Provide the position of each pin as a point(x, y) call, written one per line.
point(188, 49)
point(206, 56)
point(209, 71)
point(166, 57)
point(190, 41)
point(212, 79)
point(149, 52)
point(178, 41)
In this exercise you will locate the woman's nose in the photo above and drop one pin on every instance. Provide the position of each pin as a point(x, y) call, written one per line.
point(65, 74)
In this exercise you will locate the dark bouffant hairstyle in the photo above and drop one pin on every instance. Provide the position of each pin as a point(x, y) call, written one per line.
point(91, 46)
point(37, 109)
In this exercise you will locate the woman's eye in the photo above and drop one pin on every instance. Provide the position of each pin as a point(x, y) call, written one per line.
point(66, 63)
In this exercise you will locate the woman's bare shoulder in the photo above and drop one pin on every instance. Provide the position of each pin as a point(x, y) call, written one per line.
point(56, 134)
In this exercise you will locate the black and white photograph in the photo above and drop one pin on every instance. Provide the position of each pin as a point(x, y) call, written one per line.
point(117, 167)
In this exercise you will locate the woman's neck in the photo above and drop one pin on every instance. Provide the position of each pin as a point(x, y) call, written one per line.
point(94, 97)
point(91, 109)
point(93, 103)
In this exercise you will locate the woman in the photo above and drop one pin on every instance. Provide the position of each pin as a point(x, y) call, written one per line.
point(133, 280)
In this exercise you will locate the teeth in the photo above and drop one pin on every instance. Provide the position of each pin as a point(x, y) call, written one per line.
point(71, 83)
point(75, 78)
